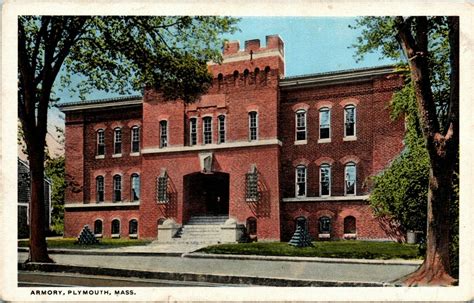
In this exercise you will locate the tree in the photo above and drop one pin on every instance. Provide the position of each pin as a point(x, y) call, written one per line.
point(423, 42)
point(111, 53)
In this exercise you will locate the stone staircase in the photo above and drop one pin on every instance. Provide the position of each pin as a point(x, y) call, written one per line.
point(201, 230)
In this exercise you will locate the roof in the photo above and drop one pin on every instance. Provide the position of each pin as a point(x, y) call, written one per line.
point(101, 103)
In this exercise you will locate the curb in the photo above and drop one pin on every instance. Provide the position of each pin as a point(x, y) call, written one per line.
point(303, 259)
point(105, 253)
point(212, 278)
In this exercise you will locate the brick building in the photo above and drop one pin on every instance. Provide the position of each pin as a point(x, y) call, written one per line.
point(265, 150)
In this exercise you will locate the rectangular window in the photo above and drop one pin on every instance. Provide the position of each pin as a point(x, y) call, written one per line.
point(301, 181)
point(350, 121)
point(100, 189)
point(324, 123)
point(117, 188)
point(100, 142)
point(221, 125)
point(300, 125)
point(135, 187)
point(253, 126)
point(135, 139)
point(117, 141)
point(350, 176)
point(325, 180)
point(162, 189)
point(207, 130)
point(163, 134)
point(193, 131)
point(251, 188)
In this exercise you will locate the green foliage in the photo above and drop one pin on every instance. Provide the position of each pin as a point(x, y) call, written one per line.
point(324, 249)
point(55, 171)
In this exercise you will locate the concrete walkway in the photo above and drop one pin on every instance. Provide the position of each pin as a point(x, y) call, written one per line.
point(225, 266)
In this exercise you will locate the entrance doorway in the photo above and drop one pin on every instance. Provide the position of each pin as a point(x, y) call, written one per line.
point(206, 194)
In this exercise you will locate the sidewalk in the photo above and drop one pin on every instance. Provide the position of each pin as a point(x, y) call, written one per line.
point(259, 270)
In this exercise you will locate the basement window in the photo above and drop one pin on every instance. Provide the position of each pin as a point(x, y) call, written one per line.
point(251, 185)
point(162, 188)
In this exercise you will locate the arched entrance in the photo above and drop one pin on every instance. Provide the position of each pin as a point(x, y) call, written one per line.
point(206, 194)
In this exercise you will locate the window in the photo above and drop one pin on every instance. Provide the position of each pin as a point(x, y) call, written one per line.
point(349, 121)
point(325, 180)
point(133, 228)
point(253, 126)
point(98, 228)
point(207, 130)
point(115, 228)
point(350, 225)
point(251, 185)
point(350, 179)
point(135, 186)
point(324, 123)
point(100, 142)
point(302, 223)
point(117, 141)
point(162, 188)
point(100, 188)
point(163, 133)
point(324, 225)
point(193, 131)
point(135, 139)
point(301, 181)
point(221, 125)
point(251, 226)
point(117, 188)
point(300, 125)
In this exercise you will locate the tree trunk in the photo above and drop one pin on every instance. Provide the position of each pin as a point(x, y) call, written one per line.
point(38, 246)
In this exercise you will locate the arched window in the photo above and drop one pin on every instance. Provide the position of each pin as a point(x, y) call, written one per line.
point(163, 133)
point(267, 72)
point(253, 126)
point(115, 228)
point(324, 123)
point(135, 186)
point(256, 74)
point(350, 178)
point(300, 125)
point(325, 180)
point(236, 76)
point(350, 225)
point(221, 126)
point(301, 222)
point(324, 225)
point(220, 79)
point(98, 228)
point(300, 181)
point(161, 221)
point(135, 134)
point(251, 226)
point(117, 188)
point(349, 121)
point(100, 142)
point(99, 181)
point(117, 141)
point(133, 228)
point(207, 130)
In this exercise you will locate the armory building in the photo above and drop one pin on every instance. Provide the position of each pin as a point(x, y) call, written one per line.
point(259, 150)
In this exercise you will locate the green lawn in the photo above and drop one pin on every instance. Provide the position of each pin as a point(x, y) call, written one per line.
point(103, 243)
point(328, 249)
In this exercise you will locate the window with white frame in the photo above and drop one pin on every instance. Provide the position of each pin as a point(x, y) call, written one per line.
point(350, 178)
point(117, 140)
point(117, 188)
point(135, 186)
point(221, 126)
point(133, 228)
point(163, 133)
point(324, 225)
point(135, 139)
point(253, 126)
point(100, 142)
point(98, 228)
point(300, 125)
point(207, 130)
point(324, 123)
point(100, 188)
point(192, 131)
point(325, 180)
point(300, 181)
point(349, 121)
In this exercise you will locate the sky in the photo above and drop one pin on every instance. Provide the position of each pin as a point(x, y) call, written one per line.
point(312, 45)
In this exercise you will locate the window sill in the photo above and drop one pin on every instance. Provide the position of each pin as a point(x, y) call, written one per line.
point(98, 235)
point(324, 140)
point(351, 138)
point(115, 236)
point(324, 236)
point(100, 156)
point(134, 154)
point(300, 197)
point(301, 142)
point(133, 236)
point(350, 236)
point(251, 200)
point(116, 155)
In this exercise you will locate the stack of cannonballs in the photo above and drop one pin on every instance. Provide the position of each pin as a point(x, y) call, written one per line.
point(301, 238)
point(87, 237)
